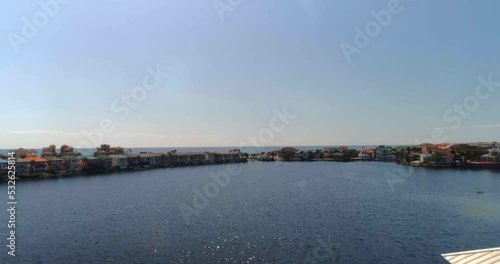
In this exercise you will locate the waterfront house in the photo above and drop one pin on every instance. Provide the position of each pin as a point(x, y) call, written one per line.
point(430, 153)
point(55, 164)
point(4, 167)
point(193, 158)
point(134, 161)
point(88, 163)
point(222, 157)
point(415, 156)
point(235, 157)
point(385, 154)
point(209, 157)
point(425, 156)
point(22, 166)
point(493, 155)
point(173, 158)
point(71, 163)
point(117, 150)
point(108, 150)
point(147, 160)
point(366, 154)
point(104, 162)
point(118, 161)
point(36, 164)
point(197, 158)
point(218, 157)
point(23, 153)
point(49, 151)
point(182, 158)
point(104, 147)
point(446, 156)
point(201, 157)
point(161, 159)
point(66, 150)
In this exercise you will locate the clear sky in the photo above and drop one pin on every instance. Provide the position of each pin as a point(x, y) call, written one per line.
point(226, 76)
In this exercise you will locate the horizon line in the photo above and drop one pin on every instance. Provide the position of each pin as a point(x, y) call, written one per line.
point(229, 146)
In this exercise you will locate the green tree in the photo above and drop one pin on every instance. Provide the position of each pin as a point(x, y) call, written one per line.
point(348, 154)
point(287, 154)
point(436, 157)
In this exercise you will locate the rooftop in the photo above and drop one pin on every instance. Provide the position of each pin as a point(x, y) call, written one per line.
point(483, 256)
point(36, 159)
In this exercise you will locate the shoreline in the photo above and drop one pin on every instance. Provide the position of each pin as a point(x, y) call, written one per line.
point(47, 176)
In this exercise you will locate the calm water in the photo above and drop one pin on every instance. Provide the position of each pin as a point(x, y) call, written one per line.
point(268, 213)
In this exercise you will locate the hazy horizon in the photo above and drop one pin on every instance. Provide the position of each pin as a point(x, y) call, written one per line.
point(247, 147)
point(88, 66)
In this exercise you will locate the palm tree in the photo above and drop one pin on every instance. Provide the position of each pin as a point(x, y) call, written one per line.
point(49, 164)
point(170, 159)
point(162, 160)
point(32, 166)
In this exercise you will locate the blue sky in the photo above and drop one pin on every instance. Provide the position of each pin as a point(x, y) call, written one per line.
point(226, 77)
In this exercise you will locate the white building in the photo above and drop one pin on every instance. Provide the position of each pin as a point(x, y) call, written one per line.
point(367, 154)
point(384, 154)
point(493, 154)
point(118, 161)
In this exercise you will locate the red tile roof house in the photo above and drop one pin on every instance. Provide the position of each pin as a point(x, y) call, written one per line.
point(367, 154)
point(428, 152)
point(36, 164)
